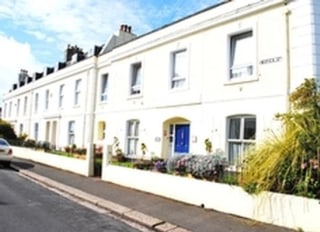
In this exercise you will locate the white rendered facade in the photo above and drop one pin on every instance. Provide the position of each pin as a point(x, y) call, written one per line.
point(220, 74)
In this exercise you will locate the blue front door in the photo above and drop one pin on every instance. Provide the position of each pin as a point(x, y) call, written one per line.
point(181, 138)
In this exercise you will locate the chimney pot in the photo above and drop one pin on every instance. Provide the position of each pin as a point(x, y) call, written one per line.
point(126, 28)
point(129, 29)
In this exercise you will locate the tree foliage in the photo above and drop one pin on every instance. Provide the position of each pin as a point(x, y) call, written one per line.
point(289, 162)
point(6, 131)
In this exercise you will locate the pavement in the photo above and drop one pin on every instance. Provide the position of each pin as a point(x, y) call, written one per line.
point(152, 211)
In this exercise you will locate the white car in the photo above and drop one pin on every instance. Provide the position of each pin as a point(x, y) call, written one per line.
point(5, 153)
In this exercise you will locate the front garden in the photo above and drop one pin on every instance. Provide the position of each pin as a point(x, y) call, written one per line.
point(284, 163)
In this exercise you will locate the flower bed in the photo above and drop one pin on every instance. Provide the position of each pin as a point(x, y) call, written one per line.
point(205, 167)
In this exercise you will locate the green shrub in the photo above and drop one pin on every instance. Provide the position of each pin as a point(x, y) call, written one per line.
point(29, 143)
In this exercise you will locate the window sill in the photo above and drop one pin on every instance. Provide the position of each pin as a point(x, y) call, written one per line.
point(103, 102)
point(135, 96)
point(241, 80)
point(178, 89)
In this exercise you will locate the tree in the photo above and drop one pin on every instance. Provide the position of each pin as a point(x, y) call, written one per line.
point(6, 131)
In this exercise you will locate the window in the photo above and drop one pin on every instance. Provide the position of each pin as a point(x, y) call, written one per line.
point(36, 102)
point(47, 130)
point(241, 135)
point(47, 99)
point(36, 131)
point(10, 109)
point(71, 134)
point(135, 85)
point(101, 130)
point(21, 129)
point(179, 69)
point(241, 55)
point(104, 87)
point(61, 95)
point(25, 105)
point(18, 107)
point(132, 137)
point(77, 92)
point(5, 110)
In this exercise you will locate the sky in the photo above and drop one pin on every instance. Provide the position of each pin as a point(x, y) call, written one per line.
point(35, 33)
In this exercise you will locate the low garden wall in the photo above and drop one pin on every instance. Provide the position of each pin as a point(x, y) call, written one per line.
point(279, 209)
point(74, 165)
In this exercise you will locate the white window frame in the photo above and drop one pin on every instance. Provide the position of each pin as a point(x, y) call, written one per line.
point(104, 87)
point(47, 96)
point(238, 138)
point(10, 109)
point(71, 132)
point(77, 92)
point(36, 102)
point(178, 78)
point(246, 71)
point(25, 105)
point(18, 107)
point(36, 131)
point(20, 129)
point(5, 110)
point(61, 95)
point(132, 137)
point(136, 78)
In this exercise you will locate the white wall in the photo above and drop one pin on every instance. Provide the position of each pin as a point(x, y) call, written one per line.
point(209, 97)
point(278, 209)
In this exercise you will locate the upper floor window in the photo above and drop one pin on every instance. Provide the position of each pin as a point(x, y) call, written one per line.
point(179, 69)
point(10, 109)
point(241, 55)
point(25, 105)
point(241, 135)
point(132, 137)
point(18, 107)
point(61, 95)
point(77, 92)
point(104, 87)
point(36, 102)
point(47, 99)
point(135, 82)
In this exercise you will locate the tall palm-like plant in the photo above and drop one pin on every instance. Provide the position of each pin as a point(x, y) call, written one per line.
point(289, 162)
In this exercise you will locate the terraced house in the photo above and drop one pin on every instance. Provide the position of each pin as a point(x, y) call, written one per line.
point(219, 74)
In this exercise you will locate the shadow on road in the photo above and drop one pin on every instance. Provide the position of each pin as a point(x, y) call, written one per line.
point(22, 164)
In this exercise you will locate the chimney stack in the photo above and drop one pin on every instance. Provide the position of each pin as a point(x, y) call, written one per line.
point(125, 28)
